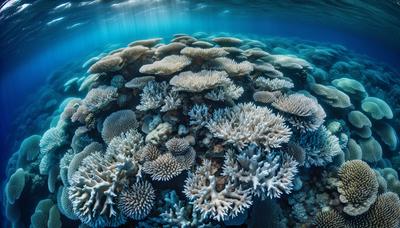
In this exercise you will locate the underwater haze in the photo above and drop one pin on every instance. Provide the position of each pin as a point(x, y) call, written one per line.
point(179, 113)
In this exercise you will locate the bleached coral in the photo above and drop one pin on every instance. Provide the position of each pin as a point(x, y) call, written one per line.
point(137, 200)
point(303, 112)
point(100, 177)
point(247, 123)
point(205, 54)
point(51, 140)
point(198, 115)
point(93, 192)
point(164, 168)
point(273, 84)
point(266, 175)
point(171, 102)
point(196, 82)
point(224, 93)
point(152, 96)
point(166, 66)
point(320, 146)
point(212, 202)
point(233, 68)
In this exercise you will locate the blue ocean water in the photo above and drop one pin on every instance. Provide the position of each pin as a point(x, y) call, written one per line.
point(45, 43)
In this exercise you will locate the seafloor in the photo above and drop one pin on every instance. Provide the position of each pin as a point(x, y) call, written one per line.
point(210, 131)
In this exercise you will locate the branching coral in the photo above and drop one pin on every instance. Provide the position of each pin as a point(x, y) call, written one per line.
point(266, 175)
point(303, 112)
point(320, 146)
point(93, 192)
point(152, 96)
point(96, 184)
point(201, 189)
point(247, 123)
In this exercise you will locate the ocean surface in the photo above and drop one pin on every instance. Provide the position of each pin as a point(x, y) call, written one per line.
point(328, 70)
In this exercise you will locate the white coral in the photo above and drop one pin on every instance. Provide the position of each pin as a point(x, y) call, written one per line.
point(152, 96)
point(166, 66)
point(247, 123)
point(196, 82)
point(273, 84)
point(206, 54)
point(201, 190)
point(266, 175)
point(233, 68)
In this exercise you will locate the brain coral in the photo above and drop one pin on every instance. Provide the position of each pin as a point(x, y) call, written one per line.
point(247, 123)
point(304, 113)
point(137, 200)
point(356, 175)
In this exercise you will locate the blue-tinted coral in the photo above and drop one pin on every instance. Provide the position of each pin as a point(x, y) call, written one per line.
point(195, 127)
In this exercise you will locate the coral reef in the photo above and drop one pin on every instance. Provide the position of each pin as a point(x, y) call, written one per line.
point(210, 130)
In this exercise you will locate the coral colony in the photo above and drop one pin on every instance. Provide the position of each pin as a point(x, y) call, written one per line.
point(211, 131)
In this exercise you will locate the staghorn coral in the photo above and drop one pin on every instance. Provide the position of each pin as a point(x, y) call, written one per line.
point(304, 113)
point(166, 66)
point(152, 96)
point(137, 200)
point(224, 93)
point(265, 175)
point(201, 189)
point(198, 115)
point(247, 123)
point(356, 175)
